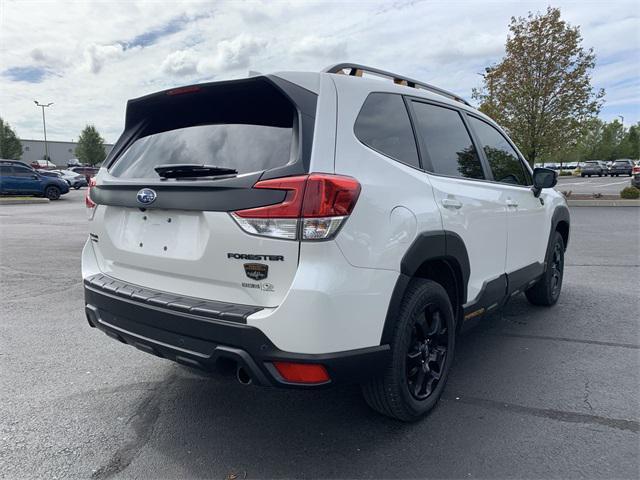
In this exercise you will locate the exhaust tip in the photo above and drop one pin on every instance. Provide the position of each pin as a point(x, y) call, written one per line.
point(243, 376)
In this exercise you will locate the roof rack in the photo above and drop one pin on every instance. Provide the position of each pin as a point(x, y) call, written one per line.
point(355, 70)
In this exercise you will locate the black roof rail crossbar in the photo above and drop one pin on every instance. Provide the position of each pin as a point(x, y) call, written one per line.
point(356, 70)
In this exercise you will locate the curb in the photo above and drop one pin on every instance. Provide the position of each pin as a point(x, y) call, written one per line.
point(603, 203)
point(12, 201)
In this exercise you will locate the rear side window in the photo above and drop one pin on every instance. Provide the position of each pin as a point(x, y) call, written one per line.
point(447, 141)
point(383, 124)
point(503, 159)
point(5, 170)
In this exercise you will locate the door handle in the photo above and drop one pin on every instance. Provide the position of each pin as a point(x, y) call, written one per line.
point(451, 203)
point(511, 203)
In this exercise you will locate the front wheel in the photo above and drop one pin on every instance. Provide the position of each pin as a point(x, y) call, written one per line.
point(76, 186)
point(52, 193)
point(546, 290)
point(421, 355)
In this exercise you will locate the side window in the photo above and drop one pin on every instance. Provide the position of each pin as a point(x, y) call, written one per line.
point(5, 170)
point(383, 124)
point(22, 172)
point(447, 141)
point(503, 159)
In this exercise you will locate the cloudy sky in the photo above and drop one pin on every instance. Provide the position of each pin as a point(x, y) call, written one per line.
point(90, 57)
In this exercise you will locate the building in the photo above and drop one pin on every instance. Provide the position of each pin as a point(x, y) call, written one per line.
point(59, 152)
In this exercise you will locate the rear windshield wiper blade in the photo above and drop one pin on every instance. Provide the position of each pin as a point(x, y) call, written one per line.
point(182, 170)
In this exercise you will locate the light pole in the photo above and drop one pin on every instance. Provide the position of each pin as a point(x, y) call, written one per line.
point(44, 126)
point(621, 118)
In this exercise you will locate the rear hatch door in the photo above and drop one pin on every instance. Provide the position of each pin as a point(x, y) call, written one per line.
point(177, 234)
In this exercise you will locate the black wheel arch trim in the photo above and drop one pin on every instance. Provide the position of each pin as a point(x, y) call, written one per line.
point(560, 214)
point(438, 245)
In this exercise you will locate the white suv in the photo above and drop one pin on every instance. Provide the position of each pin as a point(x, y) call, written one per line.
point(315, 228)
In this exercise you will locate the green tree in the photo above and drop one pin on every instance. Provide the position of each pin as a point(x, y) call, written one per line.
point(630, 145)
point(10, 146)
point(90, 147)
point(541, 90)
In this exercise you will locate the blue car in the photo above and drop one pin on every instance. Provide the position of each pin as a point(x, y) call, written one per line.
point(17, 178)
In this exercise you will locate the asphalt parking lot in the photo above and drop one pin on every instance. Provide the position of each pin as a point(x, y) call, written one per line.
point(603, 185)
point(534, 392)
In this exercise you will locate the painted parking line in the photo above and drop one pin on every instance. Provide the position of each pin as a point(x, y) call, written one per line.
point(609, 184)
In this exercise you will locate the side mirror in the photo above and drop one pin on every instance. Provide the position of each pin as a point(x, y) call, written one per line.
point(543, 178)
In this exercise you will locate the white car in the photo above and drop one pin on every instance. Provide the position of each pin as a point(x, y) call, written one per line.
point(74, 179)
point(316, 228)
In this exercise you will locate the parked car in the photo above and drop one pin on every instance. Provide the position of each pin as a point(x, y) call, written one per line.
point(43, 165)
point(74, 179)
point(593, 167)
point(74, 162)
point(86, 171)
point(16, 178)
point(621, 167)
point(48, 173)
point(343, 233)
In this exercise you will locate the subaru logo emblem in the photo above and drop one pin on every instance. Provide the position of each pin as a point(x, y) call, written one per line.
point(146, 196)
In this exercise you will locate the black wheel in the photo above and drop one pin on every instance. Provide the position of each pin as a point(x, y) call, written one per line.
point(546, 291)
point(589, 176)
point(52, 193)
point(76, 186)
point(582, 175)
point(599, 174)
point(422, 351)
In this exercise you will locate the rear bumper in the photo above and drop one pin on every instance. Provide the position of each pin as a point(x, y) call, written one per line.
point(207, 334)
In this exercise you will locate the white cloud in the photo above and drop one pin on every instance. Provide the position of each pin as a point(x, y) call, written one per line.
point(179, 63)
point(232, 54)
point(96, 55)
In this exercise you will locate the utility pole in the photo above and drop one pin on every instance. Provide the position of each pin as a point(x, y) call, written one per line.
point(44, 126)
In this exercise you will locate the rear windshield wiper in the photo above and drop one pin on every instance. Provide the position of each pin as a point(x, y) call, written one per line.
point(183, 170)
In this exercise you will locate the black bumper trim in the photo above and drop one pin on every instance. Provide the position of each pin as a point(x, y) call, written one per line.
point(202, 342)
point(206, 308)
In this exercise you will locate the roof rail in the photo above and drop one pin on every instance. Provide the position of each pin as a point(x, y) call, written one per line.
point(355, 70)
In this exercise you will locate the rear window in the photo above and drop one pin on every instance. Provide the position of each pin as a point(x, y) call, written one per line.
point(246, 148)
point(247, 125)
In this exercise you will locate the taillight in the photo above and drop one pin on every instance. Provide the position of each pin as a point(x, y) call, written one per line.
point(90, 204)
point(314, 208)
point(302, 372)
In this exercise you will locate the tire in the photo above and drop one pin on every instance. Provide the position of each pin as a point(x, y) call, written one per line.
point(546, 291)
point(422, 348)
point(582, 175)
point(76, 186)
point(52, 193)
point(599, 174)
point(589, 176)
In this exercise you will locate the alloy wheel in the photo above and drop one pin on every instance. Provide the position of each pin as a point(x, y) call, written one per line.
point(427, 353)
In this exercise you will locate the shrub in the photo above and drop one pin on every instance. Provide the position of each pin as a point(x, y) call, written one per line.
point(565, 173)
point(630, 193)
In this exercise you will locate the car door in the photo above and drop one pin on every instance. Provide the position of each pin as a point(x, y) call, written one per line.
point(527, 223)
point(25, 181)
point(470, 207)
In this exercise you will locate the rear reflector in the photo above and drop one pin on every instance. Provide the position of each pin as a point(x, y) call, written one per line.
point(302, 372)
point(314, 208)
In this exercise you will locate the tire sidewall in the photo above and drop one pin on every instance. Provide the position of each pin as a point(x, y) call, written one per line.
point(557, 238)
point(431, 292)
point(55, 190)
